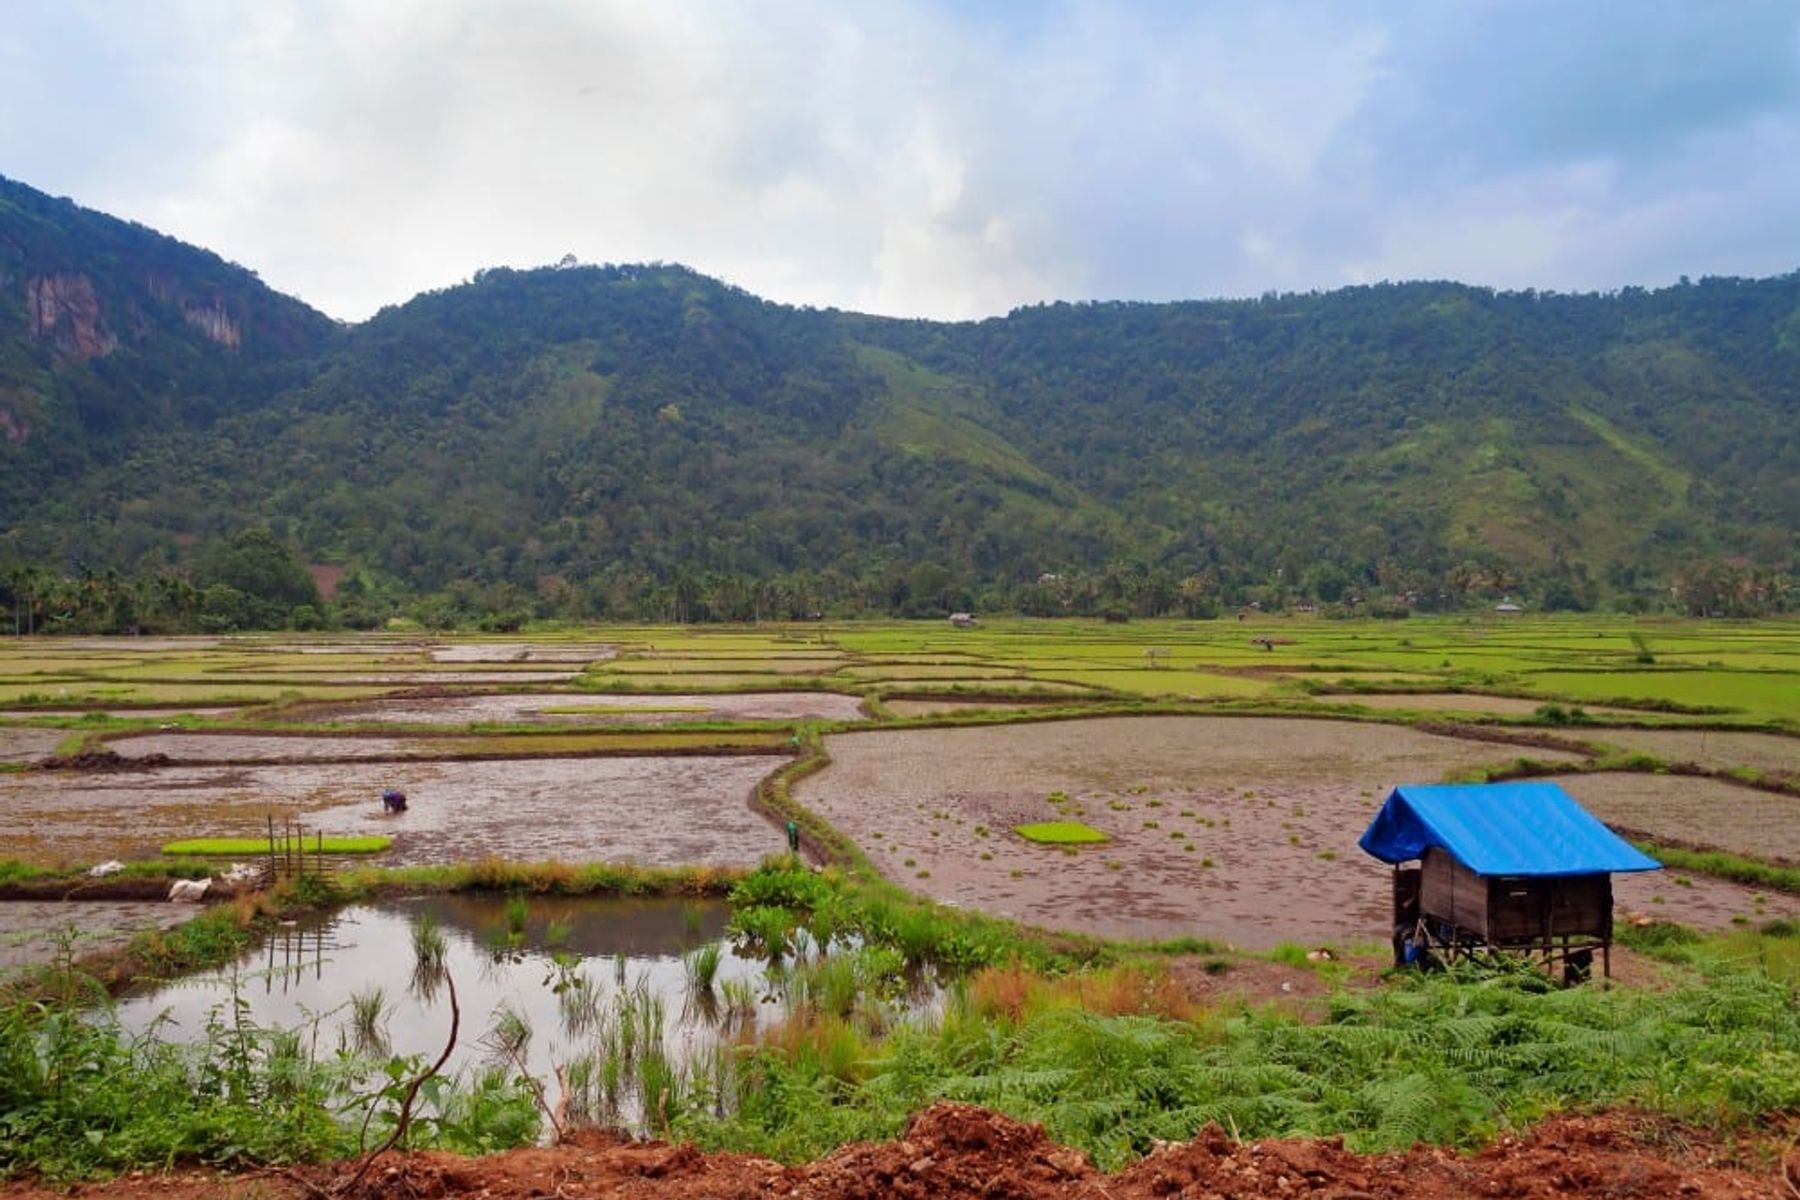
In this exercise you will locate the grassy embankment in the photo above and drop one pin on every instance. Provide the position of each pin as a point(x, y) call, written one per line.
point(1095, 1040)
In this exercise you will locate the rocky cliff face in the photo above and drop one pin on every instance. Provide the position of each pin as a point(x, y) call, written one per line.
point(14, 428)
point(214, 323)
point(62, 309)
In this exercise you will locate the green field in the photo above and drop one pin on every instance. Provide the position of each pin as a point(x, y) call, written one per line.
point(1741, 672)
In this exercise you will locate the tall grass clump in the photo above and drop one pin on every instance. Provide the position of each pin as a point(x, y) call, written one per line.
point(1447, 1059)
point(701, 966)
point(368, 1029)
point(431, 954)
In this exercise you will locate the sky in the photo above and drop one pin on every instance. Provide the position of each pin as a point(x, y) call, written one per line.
point(926, 157)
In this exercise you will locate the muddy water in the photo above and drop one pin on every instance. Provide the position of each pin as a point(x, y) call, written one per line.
point(933, 708)
point(113, 645)
point(540, 652)
point(600, 709)
point(653, 811)
point(435, 678)
point(1273, 809)
point(29, 745)
point(250, 748)
point(1704, 812)
point(1712, 748)
point(34, 932)
point(303, 978)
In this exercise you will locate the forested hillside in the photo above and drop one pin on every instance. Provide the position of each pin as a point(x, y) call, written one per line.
point(111, 333)
point(644, 441)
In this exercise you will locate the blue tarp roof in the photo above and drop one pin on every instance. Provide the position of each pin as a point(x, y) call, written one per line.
point(1499, 829)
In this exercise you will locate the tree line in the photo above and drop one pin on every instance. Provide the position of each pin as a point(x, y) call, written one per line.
point(253, 580)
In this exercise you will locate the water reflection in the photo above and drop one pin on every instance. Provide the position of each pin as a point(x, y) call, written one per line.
point(611, 1008)
point(556, 990)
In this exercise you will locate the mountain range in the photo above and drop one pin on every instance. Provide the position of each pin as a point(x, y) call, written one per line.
point(612, 440)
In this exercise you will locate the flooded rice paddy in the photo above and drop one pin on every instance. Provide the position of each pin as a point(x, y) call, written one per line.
point(414, 678)
point(570, 974)
point(1711, 748)
point(936, 708)
point(659, 811)
point(254, 748)
point(28, 745)
point(537, 652)
point(1237, 828)
point(1240, 829)
point(39, 931)
point(1695, 811)
point(589, 708)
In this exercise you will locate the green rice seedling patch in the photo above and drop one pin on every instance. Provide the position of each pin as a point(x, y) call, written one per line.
point(160, 667)
point(278, 663)
point(1020, 686)
point(927, 671)
point(1060, 833)
point(1485, 661)
point(1734, 659)
point(1762, 693)
point(1194, 685)
point(24, 665)
point(221, 692)
point(221, 847)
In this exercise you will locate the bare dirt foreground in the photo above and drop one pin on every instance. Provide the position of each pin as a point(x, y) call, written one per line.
point(1239, 829)
point(955, 1150)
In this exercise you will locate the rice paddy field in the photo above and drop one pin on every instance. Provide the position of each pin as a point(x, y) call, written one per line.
point(1230, 763)
point(1241, 829)
point(1184, 796)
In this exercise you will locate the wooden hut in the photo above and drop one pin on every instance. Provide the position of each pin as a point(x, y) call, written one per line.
point(1515, 867)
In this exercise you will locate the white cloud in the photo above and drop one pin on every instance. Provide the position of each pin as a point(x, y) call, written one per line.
point(925, 160)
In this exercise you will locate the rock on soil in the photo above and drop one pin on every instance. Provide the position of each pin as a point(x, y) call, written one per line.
point(956, 1150)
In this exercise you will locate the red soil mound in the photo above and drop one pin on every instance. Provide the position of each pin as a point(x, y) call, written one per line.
point(956, 1150)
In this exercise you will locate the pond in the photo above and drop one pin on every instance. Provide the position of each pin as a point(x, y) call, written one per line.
point(599, 1002)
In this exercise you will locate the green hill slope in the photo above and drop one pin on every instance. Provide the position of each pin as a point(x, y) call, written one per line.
point(645, 439)
point(110, 332)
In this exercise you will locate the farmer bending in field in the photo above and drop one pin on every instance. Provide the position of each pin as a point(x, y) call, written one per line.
point(393, 800)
